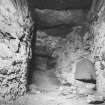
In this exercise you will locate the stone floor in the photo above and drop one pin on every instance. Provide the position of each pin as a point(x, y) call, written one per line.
point(46, 90)
point(52, 98)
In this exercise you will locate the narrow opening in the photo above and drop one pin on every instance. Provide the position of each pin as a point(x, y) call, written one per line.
point(60, 38)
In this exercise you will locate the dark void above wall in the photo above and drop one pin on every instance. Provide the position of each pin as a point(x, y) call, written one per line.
point(61, 4)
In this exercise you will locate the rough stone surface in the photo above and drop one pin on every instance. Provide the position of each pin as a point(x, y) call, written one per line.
point(93, 99)
point(45, 43)
point(68, 54)
point(15, 51)
point(50, 18)
point(98, 48)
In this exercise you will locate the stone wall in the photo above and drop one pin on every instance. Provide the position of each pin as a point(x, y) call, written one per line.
point(65, 49)
point(15, 48)
point(98, 48)
point(74, 48)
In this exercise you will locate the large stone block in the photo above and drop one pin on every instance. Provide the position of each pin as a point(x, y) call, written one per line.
point(50, 18)
point(85, 71)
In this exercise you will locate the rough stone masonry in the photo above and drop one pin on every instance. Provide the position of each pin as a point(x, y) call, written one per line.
point(15, 50)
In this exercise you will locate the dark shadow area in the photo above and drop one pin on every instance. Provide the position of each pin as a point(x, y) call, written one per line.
point(88, 81)
point(61, 4)
point(32, 61)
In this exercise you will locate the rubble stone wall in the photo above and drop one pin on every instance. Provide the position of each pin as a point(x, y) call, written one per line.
point(98, 48)
point(15, 48)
